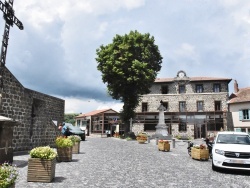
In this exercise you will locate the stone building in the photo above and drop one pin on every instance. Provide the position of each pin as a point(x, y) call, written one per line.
point(34, 112)
point(196, 106)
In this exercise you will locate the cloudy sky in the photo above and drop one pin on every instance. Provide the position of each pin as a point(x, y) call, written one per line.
point(55, 53)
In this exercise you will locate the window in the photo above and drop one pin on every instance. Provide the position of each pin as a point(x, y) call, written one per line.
point(216, 88)
point(182, 106)
point(78, 122)
point(182, 127)
point(244, 114)
point(144, 107)
point(199, 88)
point(199, 106)
point(164, 89)
point(217, 105)
point(182, 89)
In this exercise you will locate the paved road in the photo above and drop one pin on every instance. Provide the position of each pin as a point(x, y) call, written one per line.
point(115, 163)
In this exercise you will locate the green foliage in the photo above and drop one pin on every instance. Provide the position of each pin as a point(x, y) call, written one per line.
point(44, 152)
point(74, 138)
point(63, 142)
point(8, 175)
point(70, 118)
point(129, 66)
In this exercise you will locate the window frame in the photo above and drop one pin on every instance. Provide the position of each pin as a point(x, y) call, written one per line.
point(182, 105)
point(202, 106)
point(182, 89)
point(244, 116)
point(144, 107)
point(164, 89)
point(216, 88)
point(199, 88)
point(182, 127)
point(215, 105)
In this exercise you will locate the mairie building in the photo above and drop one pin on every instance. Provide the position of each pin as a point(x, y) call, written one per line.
point(195, 106)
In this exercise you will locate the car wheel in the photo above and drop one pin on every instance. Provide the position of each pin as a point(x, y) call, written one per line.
point(83, 138)
point(214, 168)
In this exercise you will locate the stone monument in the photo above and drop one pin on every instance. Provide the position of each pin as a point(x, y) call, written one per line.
point(161, 127)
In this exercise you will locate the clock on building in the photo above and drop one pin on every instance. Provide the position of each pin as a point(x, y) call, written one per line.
point(181, 74)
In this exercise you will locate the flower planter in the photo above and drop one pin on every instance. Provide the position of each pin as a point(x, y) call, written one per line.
point(64, 154)
point(200, 154)
point(76, 148)
point(12, 186)
point(41, 170)
point(141, 141)
point(163, 146)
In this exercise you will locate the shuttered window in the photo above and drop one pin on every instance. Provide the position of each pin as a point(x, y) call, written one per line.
point(244, 114)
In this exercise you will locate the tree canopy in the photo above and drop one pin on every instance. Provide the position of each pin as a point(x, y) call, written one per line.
point(129, 65)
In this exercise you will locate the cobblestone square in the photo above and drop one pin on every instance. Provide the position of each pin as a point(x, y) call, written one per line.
point(117, 163)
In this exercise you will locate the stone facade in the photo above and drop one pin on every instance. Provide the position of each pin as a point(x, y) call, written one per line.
point(212, 93)
point(34, 113)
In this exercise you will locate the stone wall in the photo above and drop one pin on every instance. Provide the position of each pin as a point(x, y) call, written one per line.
point(34, 112)
point(190, 97)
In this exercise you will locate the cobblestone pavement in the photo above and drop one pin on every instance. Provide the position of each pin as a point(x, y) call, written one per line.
point(116, 163)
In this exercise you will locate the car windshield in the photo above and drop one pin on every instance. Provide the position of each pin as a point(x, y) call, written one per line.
point(233, 139)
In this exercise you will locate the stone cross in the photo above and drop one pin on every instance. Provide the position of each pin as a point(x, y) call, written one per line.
point(10, 19)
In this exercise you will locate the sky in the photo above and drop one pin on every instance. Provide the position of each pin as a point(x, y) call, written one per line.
point(55, 53)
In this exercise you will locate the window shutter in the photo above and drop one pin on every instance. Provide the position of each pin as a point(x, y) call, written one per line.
point(248, 113)
point(240, 115)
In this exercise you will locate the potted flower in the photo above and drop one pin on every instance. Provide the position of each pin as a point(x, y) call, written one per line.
point(76, 143)
point(64, 148)
point(8, 175)
point(163, 145)
point(142, 138)
point(42, 164)
point(200, 152)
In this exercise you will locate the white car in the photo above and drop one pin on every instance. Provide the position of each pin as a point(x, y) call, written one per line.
point(231, 150)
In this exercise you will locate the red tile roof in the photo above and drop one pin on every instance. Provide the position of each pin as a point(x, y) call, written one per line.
point(96, 112)
point(243, 95)
point(194, 79)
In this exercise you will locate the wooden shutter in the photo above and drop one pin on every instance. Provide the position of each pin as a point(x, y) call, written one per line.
point(240, 115)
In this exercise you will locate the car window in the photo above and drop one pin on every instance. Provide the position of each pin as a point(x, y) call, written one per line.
point(233, 139)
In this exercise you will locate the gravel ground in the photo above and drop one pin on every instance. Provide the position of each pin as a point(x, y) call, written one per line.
point(116, 163)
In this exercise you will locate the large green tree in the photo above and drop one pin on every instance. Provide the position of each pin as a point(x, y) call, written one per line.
point(129, 66)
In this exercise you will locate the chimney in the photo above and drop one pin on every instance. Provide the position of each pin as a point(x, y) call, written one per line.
point(236, 88)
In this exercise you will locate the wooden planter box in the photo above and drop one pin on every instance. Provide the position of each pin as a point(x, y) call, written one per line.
point(41, 170)
point(163, 146)
point(64, 154)
point(76, 148)
point(13, 185)
point(141, 141)
point(200, 154)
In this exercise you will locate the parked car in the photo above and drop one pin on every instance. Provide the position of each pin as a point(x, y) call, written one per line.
point(73, 130)
point(231, 150)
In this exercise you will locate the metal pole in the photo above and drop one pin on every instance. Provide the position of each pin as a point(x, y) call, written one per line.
point(173, 142)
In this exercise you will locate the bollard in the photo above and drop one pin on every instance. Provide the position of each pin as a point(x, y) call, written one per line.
point(148, 139)
point(173, 142)
point(188, 143)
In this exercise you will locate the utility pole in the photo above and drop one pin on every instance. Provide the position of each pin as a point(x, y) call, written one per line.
point(10, 19)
